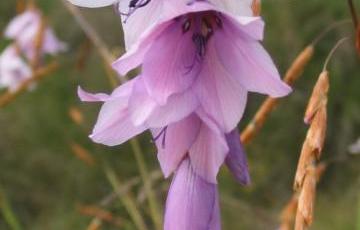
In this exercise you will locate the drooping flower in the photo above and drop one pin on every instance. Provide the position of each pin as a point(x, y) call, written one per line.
point(13, 69)
point(24, 30)
point(198, 64)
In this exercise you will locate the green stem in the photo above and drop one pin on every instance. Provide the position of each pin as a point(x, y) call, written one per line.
point(126, 199)
point(145, 176)
point(8, 213)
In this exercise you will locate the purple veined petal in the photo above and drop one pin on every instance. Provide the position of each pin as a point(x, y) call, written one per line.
point(21, 22)
point(140, 20)
point(192, 202)
point(208, 152)
point(221, 97)
point(178, 107)
point(249, 64)
point(174, 142)
point(236, 159)
point(135, 55)
point(93, 3)
point(170, 65)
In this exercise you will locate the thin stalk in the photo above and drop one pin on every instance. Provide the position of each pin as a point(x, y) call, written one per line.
point(91, 33)
point(145, 176)
point(126, 199)
point(328, 58)
point(8, 213)
point(353, 13)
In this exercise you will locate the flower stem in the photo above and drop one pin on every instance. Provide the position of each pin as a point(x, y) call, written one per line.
point(8, 213)
point(353, 13)
point(126, 199)
point(145, 176)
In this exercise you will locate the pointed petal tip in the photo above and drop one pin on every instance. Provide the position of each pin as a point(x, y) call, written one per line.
point(89, 97)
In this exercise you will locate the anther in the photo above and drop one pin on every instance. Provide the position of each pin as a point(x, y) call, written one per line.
point(186, 26)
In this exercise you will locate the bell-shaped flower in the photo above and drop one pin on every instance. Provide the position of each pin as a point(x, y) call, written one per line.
point(13, 69)
point(215, 56)
point(26, 28)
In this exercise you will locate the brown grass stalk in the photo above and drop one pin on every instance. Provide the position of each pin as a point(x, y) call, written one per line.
point(38, 74)
point(76, 115)
point(82, 154)
point(38, 44)
point(100, 213)
point(256, 7)
point(306, 174)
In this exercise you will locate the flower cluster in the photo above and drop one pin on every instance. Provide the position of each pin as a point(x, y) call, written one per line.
point(199, 59)
point(32, 39)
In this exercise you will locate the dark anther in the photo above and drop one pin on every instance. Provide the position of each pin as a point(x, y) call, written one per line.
point(186, 26)
point(138, 3)
point(218, 21)
point(200, 43)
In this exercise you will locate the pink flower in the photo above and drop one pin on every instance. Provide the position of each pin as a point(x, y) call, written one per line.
point(198, 65)
point(13, 69)
point(212, 55)
point(24, 29)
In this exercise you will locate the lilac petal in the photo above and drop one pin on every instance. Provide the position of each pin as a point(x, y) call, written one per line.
point(170, 65)
point(52, 45)
point(175, 142)
point(208, 152)
point(221, 96)
point(135, 55)
point(89, 97)
point(114, 125)
point(192, 202)
point(251, 28)
point(141, 105)
point(249, 64)
point(13, 69)
point(236, 159)
point(21, 22)
point(178, 107)
point(123, 91)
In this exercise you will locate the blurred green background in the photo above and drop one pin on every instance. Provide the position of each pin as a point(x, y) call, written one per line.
point(47, 186)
